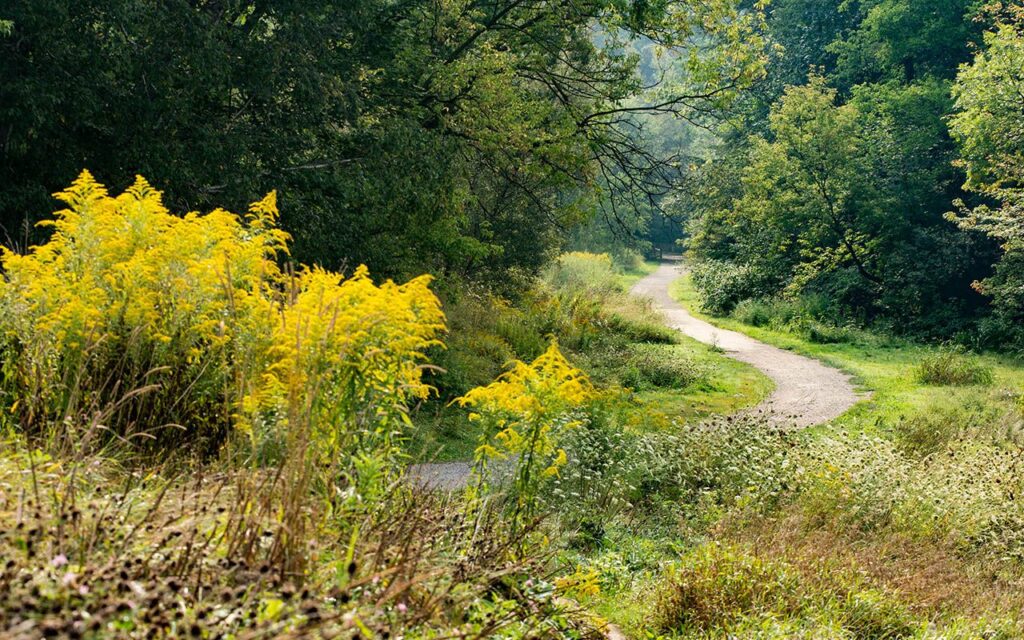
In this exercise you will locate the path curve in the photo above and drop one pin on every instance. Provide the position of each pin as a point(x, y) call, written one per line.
point(807, 392)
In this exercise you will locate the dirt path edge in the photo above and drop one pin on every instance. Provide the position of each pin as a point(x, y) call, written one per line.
point(807, 391)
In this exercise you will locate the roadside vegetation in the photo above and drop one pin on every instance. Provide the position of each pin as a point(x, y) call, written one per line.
point(208, 418)
point(198, 443)
point(582, 300)
point(900, 519)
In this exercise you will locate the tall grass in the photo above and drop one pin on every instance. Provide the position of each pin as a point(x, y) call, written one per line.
point(162, 336)
point(163, 330)
point(953, 365)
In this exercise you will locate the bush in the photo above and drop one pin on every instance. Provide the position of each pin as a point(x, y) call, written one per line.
point(579, 271)
point(629, 260)
point(598, 480)
point(523, 416)
point(661, 367)
point(642, 327)
point(735, 461)
point(820, 333)
point(723, 285)
point(953, 366)
point(714, 586)
point(756, 313)
point(168, 331)
point(716, 589)
point(803, 316)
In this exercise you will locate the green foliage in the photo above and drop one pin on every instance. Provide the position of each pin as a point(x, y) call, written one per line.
point(723, 285)
point(459, 137)
point(579, 272)
point(599, 480)
point(663, 367)
point(842, 186)
point(953, 366)
point(988, 127)
point(717, 588)
point(906, 39)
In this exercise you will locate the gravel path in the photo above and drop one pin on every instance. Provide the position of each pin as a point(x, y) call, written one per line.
point(806, 393)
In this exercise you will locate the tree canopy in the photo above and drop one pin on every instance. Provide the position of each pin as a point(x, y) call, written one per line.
point(409, 135)
point(836, 178)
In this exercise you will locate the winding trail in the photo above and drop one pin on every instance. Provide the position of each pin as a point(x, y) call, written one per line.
point(807, 392)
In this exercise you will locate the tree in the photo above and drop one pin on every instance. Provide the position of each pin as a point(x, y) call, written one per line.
point(905, 40)
point(989, 125)
point(457, 137)
point(846, 176)
point(808, 191)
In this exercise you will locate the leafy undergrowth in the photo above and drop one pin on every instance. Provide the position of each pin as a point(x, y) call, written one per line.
point(93, 551)
point(850, 535)
point(953, 366)
point(199, 443)
point(718, 590)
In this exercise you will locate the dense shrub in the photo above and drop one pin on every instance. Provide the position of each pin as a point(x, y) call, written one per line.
point(761, 313)
point(714, 586)
point(953, 366)
point(734, 461)
point(661, 367)
point(723, 285)
point(585, 284)
point(580, 271)
point(170, 330)
point(806, 316)
point(628, 260)
point(599, 478)
point(638, 326)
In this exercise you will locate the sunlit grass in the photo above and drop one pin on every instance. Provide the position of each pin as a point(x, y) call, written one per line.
point(629, 277)
point(886, 368)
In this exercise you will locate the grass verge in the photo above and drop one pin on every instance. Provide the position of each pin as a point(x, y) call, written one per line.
point(890, 369)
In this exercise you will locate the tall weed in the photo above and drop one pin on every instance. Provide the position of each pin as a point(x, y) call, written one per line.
point(953, 365)
point(169, 334)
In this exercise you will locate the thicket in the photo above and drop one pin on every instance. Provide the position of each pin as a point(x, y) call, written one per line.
point(580, 302)
point(952, 497)
point(838, 181)
point(953, 366)
point(135, 325)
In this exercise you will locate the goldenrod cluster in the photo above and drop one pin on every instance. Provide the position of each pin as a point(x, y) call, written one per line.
point(526, 405)
point(151, 319)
